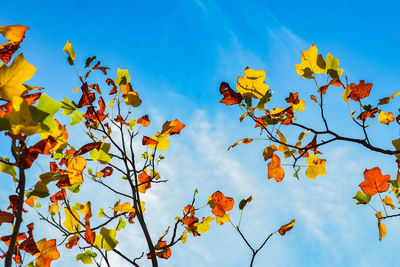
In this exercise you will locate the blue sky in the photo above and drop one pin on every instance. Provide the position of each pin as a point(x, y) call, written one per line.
point(177, 53)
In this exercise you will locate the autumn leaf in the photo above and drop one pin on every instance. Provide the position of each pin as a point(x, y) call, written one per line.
point(287, 227)
point(360, 91)
point(6, 217)
point(220, 204)
point(311, 62)
point(382, 230)
point(48, 252)
point(132, 99)
point(144, 120)
point(315, 167)
point(70, 51)
point(144, 182)
point(161, 250)
point(14, 33)
point(106, 239)
point(204, 225)
point(332, 67)
point(269, 152)
point(172, 127)
point(374, 181)
point(388, 202)
point(334, 82)
point(88, 147)
point(20, 119)
point(244, 141)
point(71, 222)
point(159, 141)
point(230, 96)
point(275, 170)
point(252, 83)
point(385, 117)
point(362, 198)
point(244, 202)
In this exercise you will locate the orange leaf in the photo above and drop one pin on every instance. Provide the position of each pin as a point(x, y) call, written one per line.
point(72, 241)
point(144, 182)
point(48, 252)
point(220, 204)
point(172, 127)
point(275, 170)
point(374, 181)
point(244, 141)
point(144, 121)
point(287, 227)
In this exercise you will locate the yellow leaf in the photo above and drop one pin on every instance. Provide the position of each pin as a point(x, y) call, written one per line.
point(106, 239)
point(223, 219)
point(385, 117)
point(388, 202)
point(20, 119)
point(382, 230)
point(70, 51)
point(75, 167)
point(284, 149)
point(252, 83)
point(300, 106)
point(126, 207)
point(14, 33)
point(316, 167)
point(184, 237)
point(13, 77)
point(70, 222)
point(379, 215)
point(162, 141)
point(311, 62)
point(346, 93)
point(204, 225)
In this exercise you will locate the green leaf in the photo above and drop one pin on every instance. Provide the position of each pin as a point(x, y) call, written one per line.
point(265, 99)
point(101, 155)
point(7, 168)
point(362, 198)
point(44, 112)
point(70, 51)
point(296, 173)
point(244, 202)
point(75, 188)
point(76, 118)
point(67, 107)
point(87, 257)
point(106, 239)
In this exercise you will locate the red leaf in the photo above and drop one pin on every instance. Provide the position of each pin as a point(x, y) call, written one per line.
point(121, 120)
point(87, 97)
point(6, 217)
point(60, 195)
point(114, 89)
point(88, 147)
point(360, 91)
point(334, 82)
point(148, 141)
point(230, 96)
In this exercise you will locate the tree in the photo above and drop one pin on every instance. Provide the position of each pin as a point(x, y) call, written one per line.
point(109, 153)
point(286, 134)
